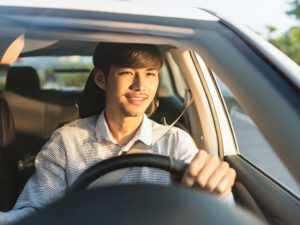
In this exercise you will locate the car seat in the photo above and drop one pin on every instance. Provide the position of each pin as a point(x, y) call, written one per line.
point(36, 112)
point(8, 157)
point(23, 79)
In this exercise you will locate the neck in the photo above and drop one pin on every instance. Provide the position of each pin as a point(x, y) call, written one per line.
point(122, 128)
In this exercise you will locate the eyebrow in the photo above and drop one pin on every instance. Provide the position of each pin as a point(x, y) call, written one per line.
point(152, 69)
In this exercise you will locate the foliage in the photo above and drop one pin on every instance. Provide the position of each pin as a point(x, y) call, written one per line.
point(2, 85)
point(271, 28)
point(65, 79)
point(295, 10)
point(289, 42)
point(74, 80)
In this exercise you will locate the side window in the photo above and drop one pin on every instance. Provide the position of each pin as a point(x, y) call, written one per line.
point(165, 88)
point(253, 146)
point(179, 82)
point(3, 72)
point(170, 101)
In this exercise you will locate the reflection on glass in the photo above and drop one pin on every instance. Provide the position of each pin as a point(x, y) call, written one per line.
point(253, 146)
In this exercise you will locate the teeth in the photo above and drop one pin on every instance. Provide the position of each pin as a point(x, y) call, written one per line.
point(138, 99)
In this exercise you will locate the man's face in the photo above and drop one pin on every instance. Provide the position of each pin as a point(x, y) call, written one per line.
point(130, 90)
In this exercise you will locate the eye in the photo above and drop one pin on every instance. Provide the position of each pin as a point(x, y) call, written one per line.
point(125, 73)
point(150, 74)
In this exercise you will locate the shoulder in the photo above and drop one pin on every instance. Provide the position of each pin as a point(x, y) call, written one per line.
point(79, 125)
point(177, 143)
point(77, 129)
point(173, 132)
point(70, 136)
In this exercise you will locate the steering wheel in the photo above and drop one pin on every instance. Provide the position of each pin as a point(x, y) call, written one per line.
point(137, 204)
point(174, 166)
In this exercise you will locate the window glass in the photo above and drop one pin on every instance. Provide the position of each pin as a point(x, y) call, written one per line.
point(253, 146)
point(178, 79)
point(66, 73)
point(165, 88)
point(3, 72)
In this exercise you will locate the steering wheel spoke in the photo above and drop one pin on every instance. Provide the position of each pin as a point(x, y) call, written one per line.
point(169, 164)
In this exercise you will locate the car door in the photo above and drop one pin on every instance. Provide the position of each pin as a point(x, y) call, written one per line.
point(263, 183)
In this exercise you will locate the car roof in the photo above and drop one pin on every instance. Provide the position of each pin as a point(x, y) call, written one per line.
point(181, 27)
point(118, 6)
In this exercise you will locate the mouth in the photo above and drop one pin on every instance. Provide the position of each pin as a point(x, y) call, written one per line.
point(136, 99)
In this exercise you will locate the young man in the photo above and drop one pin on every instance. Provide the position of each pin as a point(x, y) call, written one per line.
point(128, 73)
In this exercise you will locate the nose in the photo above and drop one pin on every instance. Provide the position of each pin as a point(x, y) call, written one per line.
point(138, 82)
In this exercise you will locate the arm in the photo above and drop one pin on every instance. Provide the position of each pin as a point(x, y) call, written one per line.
point(205, 172)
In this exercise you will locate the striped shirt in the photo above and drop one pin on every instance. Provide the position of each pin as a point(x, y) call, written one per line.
point(82, 143)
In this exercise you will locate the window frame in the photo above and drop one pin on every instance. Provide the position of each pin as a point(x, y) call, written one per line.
point(225, 133)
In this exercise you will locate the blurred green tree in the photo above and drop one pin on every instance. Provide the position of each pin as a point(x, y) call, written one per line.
point(270, 30)
point(2, 86)
point(289, 42)
point(295, 10)
point(75, 79)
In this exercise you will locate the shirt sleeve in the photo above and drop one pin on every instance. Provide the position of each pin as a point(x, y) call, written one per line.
point(47, 184)
point(184, 145)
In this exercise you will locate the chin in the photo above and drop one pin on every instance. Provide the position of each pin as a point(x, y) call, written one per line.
point(133, 114)
point(133, 111)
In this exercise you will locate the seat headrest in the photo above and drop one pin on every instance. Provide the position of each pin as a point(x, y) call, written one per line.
point(22, 78)
point(92, 100)
point(7, 128)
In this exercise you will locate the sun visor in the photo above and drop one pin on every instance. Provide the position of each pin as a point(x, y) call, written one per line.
point(13, 51)
point(32, 45)
point(11, 41)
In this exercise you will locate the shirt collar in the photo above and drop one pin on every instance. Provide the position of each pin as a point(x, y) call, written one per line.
point(143, 134)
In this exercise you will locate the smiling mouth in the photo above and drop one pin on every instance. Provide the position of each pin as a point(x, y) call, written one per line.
point(136, 100)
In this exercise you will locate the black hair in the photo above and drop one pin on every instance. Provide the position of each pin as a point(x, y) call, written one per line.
point(92, 100)
point(126, 55)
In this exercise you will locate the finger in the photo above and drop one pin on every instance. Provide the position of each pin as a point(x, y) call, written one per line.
point(207, 170)
point(217, 176)
point(226, 194)
point(227, 182)
point(193, 169)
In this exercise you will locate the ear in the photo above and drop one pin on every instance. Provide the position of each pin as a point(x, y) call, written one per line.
point(99, 78)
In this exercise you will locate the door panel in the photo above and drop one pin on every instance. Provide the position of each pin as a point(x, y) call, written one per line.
point(276, 204)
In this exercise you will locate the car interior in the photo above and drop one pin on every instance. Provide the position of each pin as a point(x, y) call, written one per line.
point(30, 113)
point(35, 113)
